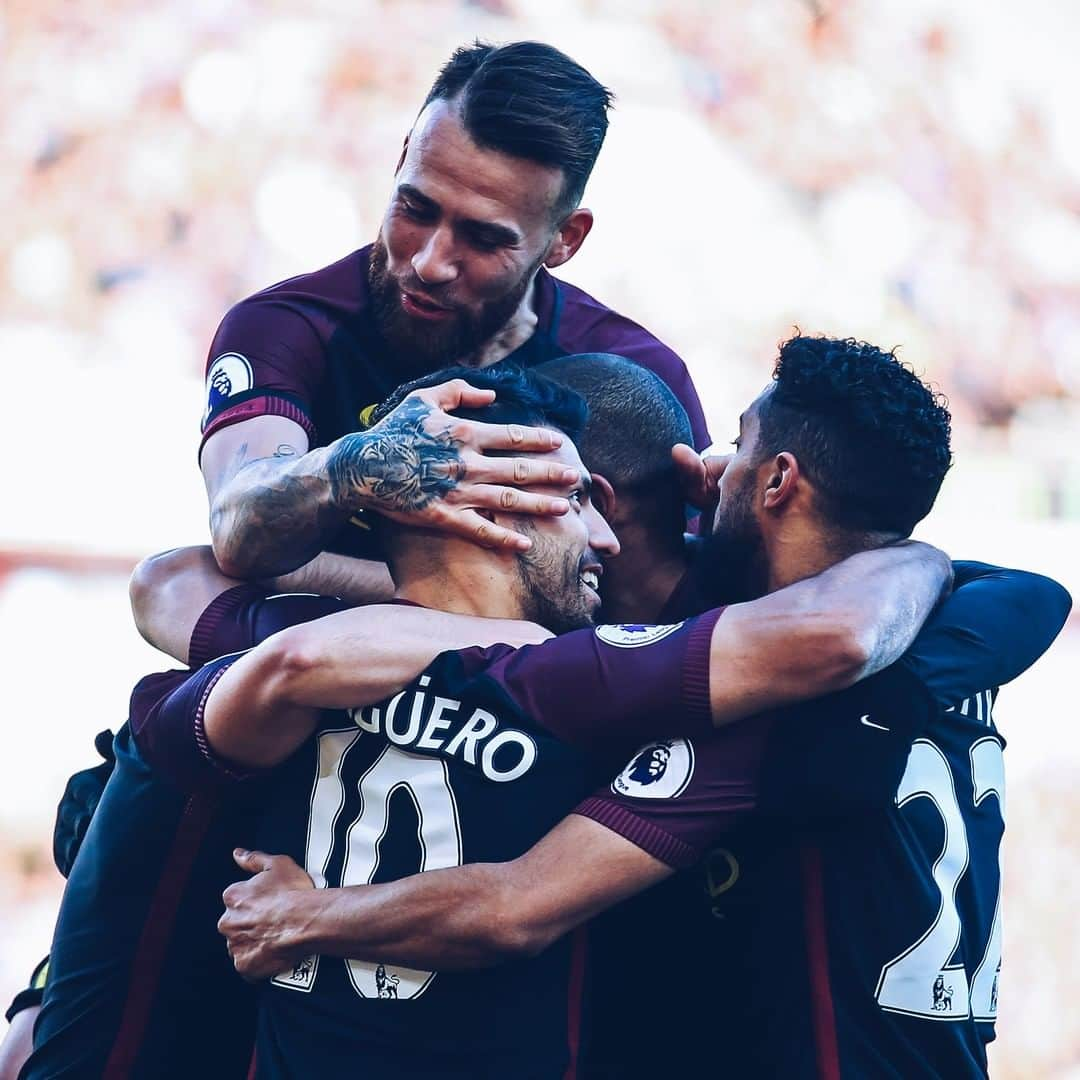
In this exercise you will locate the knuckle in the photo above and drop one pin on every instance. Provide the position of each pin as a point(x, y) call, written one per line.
point(515, 433)
point(508, 498)
point(521, 470)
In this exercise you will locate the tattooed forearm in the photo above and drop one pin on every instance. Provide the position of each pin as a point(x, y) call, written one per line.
point(270, 521)
point(397, 466)
point(282, 523)
point(278, 512)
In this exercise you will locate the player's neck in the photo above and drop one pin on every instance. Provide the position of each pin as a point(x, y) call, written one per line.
point(796, 553)
point(463, 580)
point(515, 332)
point(805, 550)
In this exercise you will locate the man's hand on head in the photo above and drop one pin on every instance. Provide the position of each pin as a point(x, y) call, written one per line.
point(264, 915)
point(700, 478)
point(423, 465)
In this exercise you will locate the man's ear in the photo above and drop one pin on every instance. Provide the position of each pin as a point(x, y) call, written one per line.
point(603, 496)
point(404, 151)
point(569, 236)
point(782, 481)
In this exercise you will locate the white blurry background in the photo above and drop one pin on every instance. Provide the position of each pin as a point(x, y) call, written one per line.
point(906, 172)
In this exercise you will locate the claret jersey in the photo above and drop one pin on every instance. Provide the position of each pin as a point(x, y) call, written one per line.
point(473, 762)
point(308, 349)
point(137, 968)
point(847, 856)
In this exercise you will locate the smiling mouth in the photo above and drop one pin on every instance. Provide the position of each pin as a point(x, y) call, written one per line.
point(591, 578)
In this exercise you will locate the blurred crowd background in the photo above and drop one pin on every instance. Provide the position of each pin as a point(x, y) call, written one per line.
point(904, 172)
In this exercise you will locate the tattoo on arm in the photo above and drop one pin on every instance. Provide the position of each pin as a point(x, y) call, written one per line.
point(281, 509)
point(281, 523)
point(399, 464)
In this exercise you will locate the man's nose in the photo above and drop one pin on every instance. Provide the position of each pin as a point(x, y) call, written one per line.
point(601, 537)
point(434, 263)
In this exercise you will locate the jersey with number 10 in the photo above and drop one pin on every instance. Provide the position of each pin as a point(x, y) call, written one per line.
point(473, 762)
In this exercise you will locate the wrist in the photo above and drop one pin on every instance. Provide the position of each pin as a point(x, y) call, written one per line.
point(310, 921)
point(351, 483)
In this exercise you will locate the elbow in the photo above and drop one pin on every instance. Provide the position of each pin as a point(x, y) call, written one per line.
point(228, 552)
point(514, 939)
point(154, 580)
point(511, 930)
point(228, 543)
point(287, 661)
point(841, 653)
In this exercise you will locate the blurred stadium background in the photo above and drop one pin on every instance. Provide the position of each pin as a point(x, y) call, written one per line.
point(904, 172)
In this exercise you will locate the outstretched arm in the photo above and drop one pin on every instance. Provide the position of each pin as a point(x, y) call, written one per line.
point(812, 638)
point(824, 633)
point(169, 592)
point(272, 510)
point(265, 704)
point(465, 917)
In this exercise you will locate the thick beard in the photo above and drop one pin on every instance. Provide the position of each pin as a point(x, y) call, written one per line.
point(419, 348)
point(735, 552)
point(551, 589)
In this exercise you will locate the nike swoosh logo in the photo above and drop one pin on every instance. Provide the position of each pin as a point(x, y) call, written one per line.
point(870, 723)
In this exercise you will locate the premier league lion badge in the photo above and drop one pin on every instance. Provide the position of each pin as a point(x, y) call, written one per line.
point(660, 770)
point(229, 374)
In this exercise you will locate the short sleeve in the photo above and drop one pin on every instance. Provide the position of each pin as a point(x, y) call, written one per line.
point(266, 359)
point(832, 757)
point(167, 724)
point(675, 796)
point(241, 617)
point(993, 627)
point(609, 686)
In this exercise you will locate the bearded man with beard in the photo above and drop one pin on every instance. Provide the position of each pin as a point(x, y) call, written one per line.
point(486, 199)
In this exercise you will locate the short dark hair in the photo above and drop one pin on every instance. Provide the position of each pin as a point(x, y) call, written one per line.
point(529, 100)
point(868, 433)
point(521, 397)
point(634, 421)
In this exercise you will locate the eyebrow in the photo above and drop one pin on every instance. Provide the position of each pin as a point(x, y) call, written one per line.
point(488, 231)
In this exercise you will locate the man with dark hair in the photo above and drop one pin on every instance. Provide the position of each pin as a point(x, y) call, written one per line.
point(634, 421)
point(134, 964)
point(851, 930)
point(857, 428)
point(506, 102)
point(485, 201)
point(488, 737)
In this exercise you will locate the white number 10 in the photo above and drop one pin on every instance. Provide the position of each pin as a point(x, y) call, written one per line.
point(921, 981)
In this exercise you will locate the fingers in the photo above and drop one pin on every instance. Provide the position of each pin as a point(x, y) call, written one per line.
point(692, 475)
point(510, 500)
point(480, 530)
point(517, 437)
point(253, 862)
point(699, 477)
point(456, 393)
point(715, 467)
point(523, 472)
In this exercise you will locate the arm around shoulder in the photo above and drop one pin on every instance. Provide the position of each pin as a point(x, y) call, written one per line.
point(824, 633)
